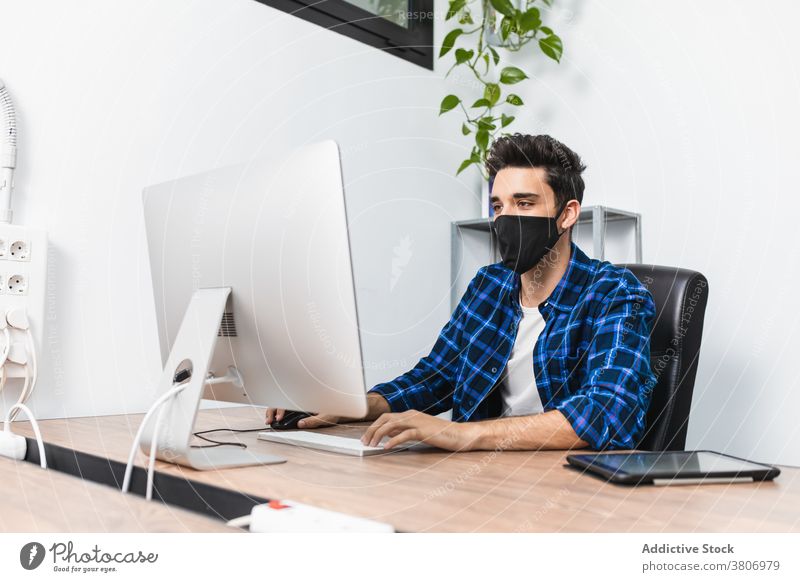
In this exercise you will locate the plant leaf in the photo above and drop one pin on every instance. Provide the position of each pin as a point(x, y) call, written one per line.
point(482, 139)
point(530, 20)
point(481, 103)
point(503, 7)
point(463, 55)
point(511, 75)
point(464, 165)
point(552, 47)
point(505, 28)
point(514, 99)
point(495, 56)
point(455, 6)
point(450, 41)
point(448, 103)
point(492, 93)
point(465, 130)
point(506, 119)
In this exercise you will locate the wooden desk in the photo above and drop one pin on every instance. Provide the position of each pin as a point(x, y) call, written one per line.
point(440, 491)
point(34, 500)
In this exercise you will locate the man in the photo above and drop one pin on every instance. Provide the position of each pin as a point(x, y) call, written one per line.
point(547, 349)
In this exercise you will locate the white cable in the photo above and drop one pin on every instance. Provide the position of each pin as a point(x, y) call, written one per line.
point(154, 443)
point(242, 521)
point(6, 351)
point(36, 431)
point(7, 347)
point(30, 385)
point(7, 112)
point(129, 468)
point(8, 152)
point(21, 401)
point(18, 319)
point(232, 376)
point(151, 465)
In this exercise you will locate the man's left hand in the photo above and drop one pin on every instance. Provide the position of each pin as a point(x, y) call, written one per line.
point(413, 425)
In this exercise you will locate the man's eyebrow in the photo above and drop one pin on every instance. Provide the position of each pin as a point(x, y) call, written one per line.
point(518, 195)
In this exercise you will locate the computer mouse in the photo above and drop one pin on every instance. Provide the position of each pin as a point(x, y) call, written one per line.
point(289, 420)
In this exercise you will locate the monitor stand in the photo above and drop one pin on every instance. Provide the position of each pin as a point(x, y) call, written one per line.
point(188, 364)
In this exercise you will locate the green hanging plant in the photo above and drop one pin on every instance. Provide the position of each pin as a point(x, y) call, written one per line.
point(512, 26)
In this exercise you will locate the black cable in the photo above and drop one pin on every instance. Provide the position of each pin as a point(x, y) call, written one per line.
point(782, 465)
point(216, 443)
point(222, 443)
point(231, 430)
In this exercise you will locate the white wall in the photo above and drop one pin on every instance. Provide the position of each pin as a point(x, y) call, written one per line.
point(113, 96)
point(688, 113)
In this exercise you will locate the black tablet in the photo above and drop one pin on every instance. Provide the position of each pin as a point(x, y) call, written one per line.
point(664, 468)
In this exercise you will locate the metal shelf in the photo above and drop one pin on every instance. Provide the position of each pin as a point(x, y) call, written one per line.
point(597, 216)
point(468, 236)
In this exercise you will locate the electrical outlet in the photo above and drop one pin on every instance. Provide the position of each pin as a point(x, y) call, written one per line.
point(23, 272)
point(20, 250)
point(17, 285)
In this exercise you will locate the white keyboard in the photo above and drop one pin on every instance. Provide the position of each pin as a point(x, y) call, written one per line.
point(334, 444)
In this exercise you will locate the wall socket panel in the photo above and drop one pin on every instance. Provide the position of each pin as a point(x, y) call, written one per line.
point(23, 274)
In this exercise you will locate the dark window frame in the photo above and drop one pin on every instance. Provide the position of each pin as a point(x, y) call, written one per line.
point(414, 44)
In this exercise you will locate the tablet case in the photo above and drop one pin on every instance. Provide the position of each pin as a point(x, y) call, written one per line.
point(587, 461)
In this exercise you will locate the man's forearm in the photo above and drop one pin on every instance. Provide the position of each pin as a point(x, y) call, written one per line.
point(548, 430)
point(376, 405)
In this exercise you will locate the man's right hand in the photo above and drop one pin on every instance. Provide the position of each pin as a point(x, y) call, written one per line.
point(376, 405)
point(315, 421)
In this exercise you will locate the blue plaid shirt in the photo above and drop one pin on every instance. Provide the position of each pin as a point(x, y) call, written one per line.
point(591, 361)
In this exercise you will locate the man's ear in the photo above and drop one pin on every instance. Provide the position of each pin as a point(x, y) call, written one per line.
point(570, 214)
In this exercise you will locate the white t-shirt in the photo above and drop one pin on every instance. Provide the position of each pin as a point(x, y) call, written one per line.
point(520, 395)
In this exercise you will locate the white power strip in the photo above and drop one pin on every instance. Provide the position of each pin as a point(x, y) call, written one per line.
point(23, 273)
point(286, 516)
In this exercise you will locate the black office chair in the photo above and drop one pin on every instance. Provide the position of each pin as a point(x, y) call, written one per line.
point(680, 296)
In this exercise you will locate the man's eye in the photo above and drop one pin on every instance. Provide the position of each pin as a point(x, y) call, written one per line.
point(525, 203)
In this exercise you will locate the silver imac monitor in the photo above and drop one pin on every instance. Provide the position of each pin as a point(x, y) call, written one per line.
point(254, 295)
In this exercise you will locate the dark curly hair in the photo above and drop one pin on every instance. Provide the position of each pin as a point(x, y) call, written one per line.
point(563, 166)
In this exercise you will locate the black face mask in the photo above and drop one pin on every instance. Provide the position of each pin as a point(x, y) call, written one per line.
point(524, 240)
